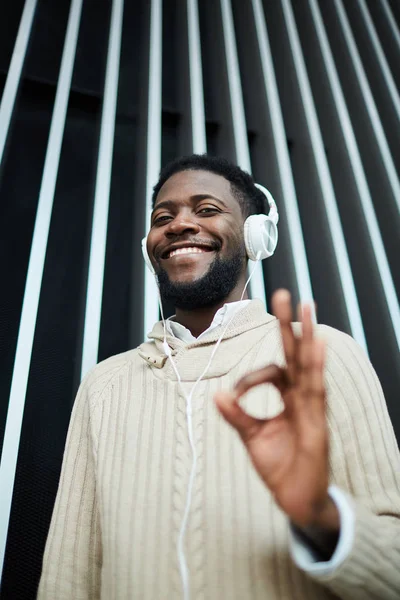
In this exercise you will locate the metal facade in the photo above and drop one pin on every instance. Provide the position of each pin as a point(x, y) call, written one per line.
point(95, 98)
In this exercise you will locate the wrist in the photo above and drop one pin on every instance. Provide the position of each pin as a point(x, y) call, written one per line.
point(325, 517)
point(323, 529)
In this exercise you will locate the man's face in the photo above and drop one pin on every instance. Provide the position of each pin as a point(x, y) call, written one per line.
point(196, 239)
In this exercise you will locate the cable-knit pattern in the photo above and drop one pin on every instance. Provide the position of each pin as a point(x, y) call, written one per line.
point(123, 486)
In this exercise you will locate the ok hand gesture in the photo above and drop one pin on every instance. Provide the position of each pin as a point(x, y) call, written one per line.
point(290, 451)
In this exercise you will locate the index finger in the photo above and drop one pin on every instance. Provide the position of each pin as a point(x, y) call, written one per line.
point(269, 374)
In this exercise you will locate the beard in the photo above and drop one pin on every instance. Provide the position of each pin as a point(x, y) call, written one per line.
point(212, 288)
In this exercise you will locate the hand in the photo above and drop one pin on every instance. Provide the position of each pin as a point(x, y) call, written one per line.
point(290, 451)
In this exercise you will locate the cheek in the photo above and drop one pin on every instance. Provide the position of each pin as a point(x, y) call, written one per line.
point(235, 241)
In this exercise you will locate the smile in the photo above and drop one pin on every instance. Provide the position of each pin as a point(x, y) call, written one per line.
point(189, 250)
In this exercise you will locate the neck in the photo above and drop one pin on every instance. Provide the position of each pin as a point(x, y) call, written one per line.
point(200, 319)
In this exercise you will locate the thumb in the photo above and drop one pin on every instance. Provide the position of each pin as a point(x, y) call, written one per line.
point(229, 407)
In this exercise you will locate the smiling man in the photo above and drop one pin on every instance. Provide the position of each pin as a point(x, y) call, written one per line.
point(185, 476)
point(196, 244)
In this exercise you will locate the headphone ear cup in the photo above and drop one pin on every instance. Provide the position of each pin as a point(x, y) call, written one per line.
point(260, 236)
point(146, 256)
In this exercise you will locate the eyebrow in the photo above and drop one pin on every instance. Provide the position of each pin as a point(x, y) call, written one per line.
point(195, 198)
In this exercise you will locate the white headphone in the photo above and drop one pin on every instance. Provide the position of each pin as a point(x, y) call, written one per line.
point(260, 233)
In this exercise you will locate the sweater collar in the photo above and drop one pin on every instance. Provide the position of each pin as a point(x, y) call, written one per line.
point(221, 317)
point(253, 315)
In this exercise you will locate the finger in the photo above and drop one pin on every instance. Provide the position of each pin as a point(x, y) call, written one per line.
point(282, 309)
point(316, 383)
point(229, 407)
point(305, 349)
point(299, 311)
point(270, 374)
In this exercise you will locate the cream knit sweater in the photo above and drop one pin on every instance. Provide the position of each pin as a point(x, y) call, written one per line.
point(124, 479)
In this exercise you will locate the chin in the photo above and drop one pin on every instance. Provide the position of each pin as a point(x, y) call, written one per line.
point(198, 286)
point(186, 276)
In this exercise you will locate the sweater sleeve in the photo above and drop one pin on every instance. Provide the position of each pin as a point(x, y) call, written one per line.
point(72, 558)
point(365, 463)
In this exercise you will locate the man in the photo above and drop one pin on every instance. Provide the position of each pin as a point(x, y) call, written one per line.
point(160, 498)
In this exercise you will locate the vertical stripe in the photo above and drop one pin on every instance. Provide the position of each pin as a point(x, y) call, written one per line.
point(219, 474)
point(211, 534)
point(73, 481)
point(324, 176)
point(151, 443)
point(391, 20)
point(102, 194)
point(358, 173)
point(153, 162)
point(81, 525)
point(375, 42)
point(14, 72)
point(139, 411)
point(370, 104)
point(199, 142)
point(208, 406)
point(235, 88)
point(108, 420)
point(127, 401)
point(34, 278)
point(117, 404)
point(239, 124)
point(303, 279)
point(177, 490)
point(161, 395)
point(252, 564)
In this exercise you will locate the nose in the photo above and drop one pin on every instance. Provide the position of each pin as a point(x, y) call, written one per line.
point(180, 225)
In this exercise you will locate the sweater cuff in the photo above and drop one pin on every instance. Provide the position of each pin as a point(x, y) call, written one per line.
point(307, 559)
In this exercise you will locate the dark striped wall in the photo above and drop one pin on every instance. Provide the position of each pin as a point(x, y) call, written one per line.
point(95, 96)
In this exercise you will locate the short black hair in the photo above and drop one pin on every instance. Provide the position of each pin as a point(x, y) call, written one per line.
point(252, 201)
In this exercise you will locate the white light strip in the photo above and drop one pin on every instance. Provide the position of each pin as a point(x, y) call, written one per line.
point(151, 311)
point(98, 242)
point(358, 171)
point(394, 94)
point(328, 194)
point(257, 288)
point(34, 278)
point(370, 105)
point(285, 171)
point(14, 71)
point(196, 80)
point(235, 88)
point(391, 20)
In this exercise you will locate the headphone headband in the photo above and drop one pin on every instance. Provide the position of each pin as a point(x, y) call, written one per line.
point(273, 209)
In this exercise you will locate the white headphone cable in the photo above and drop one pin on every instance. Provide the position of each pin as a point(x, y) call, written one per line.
point(183, 568)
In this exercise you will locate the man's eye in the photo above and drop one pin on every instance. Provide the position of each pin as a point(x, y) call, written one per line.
point(208, 209)
point(162, 218)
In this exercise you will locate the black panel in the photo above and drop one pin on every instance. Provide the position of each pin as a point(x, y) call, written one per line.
point(384, 201)
point(55, 366)
point(215, 79)
point(11, 13)
point(122, 305)
point(317, 238)
point(19, 193)
point(47, 41)
point(278, 270)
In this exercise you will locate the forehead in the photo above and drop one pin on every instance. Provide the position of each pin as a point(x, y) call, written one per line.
point(185, 184)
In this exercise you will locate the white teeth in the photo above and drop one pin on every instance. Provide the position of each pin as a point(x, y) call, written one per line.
point(194, 250)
